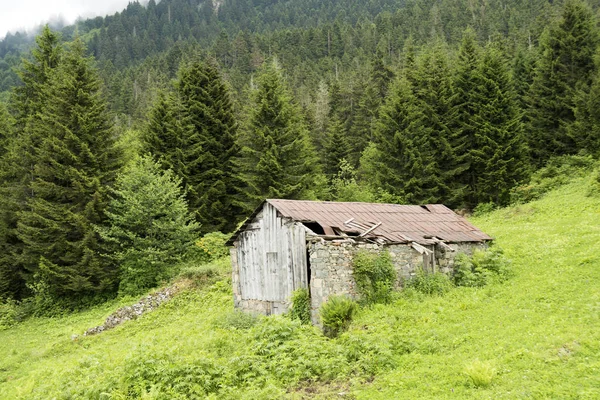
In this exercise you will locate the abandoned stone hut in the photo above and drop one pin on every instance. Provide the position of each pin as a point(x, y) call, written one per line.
point(288, 244)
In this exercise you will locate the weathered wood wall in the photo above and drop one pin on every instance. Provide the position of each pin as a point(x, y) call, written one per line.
point(271, 257)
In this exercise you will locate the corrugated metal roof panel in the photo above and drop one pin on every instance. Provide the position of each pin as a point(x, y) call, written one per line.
point(399, 223)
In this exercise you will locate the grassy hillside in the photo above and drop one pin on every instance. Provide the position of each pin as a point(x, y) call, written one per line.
point(536, 336)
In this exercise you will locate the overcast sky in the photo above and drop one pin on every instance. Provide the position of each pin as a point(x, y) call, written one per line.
point(25, 14)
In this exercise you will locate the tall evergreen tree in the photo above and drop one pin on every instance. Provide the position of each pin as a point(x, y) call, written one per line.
point(278, 159)
point(76, 161)
point(463, 137)
point(35, 73)
point(434, 91)
point(9, 279)
point(565, 65)
point(585, 131)
point(497, 155)
point(336, 147)
point(169, 127)
point(17, 163)
point(210, 152)
point(372, 97)
point(403, 163)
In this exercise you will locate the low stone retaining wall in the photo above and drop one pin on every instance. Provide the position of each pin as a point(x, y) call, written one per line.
point(128, 313)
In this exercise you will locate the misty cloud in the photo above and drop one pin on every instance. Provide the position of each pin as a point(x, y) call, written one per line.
point(20, 15)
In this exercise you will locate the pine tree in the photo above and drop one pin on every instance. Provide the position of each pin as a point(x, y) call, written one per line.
point(35, 74)
point(278, 159)
point(336, 147)
point(372, 97)
point(463, 137)
point(402, 164)
point(585, 131)
point(435, 94)
point(8, 276)
point(565, 65)
point(211, 150)
point(165, 136)
point(76, 161)
point(17, 163)
point(149, 229)
point(497, 154)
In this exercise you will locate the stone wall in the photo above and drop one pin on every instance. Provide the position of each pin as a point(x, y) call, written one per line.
point(331, 265)
point(331, 270)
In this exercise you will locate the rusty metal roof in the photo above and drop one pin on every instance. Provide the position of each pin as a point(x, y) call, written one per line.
point(398, 223)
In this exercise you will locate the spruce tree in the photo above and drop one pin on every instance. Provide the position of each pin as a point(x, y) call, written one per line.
point(9, 279)
point(35, 73)
point(76, 161)
point(434, 91)
point(565, 65)
point(336, 147)
point(165, 136)
point(585, 131)
point(403, 164)
point(17, 163)
point(278, 160)
point(372, 97)
point(497, 154)
point(463, 135)
point(149, 230)
point(211, 176)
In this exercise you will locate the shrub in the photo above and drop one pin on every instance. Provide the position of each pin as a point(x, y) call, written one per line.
point(300, 308)
point(557, 172)
point(8, 314)
point(238, 320)
point(272, 333)
point(374, 275)
point(594, 189)
point(212, 247)
point(481, 268)
point(150, 230)
point(337, 314)
point(430, 283)
point(480, 373)
point(483, 208)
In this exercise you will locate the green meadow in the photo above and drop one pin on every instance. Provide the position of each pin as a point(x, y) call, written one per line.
point(536, 335)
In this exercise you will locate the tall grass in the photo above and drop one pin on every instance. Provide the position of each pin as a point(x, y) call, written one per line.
point(541, 329)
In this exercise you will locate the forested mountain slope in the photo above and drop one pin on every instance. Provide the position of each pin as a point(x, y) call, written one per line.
point(535, 335)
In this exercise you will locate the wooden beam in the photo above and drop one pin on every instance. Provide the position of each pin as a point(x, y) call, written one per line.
point(371, 229)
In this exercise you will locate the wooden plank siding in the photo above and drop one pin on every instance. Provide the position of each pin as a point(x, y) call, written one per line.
point(272, 257)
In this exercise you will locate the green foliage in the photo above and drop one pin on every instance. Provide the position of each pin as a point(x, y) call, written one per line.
point(484, 208)
point(346, 187)
point(557, 172)
point(278, 159)
point(272, 334)
point(8, 314)
point(210, 171)
point(149, 228)
point(480, 373)
point(566, 65)
point(300, 306)
point(374, 275)
point(496, 151)
point(177, 352)
point(337, 314)
point(76, 160)
point(212, 247)
point(239, 320)
point(433, 284)
point(481, 268)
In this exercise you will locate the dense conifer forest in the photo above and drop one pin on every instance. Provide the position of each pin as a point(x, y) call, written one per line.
point(226, 103)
